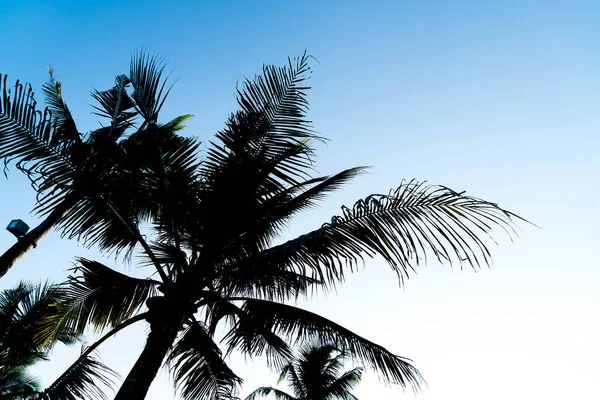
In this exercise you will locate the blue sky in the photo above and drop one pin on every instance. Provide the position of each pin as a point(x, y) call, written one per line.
point(497, 98)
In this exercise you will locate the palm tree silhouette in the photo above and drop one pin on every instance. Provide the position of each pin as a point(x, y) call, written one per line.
point(212, 224)
point(76, 175)
point(24, 310)
point(316, 373)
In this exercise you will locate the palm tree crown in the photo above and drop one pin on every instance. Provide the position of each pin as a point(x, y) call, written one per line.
point(316, 373)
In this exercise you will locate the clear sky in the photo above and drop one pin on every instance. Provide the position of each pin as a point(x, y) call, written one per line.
point(499, 98)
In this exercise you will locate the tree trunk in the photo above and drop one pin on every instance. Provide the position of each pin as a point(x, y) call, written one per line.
point(146, 367)
point(32, 238)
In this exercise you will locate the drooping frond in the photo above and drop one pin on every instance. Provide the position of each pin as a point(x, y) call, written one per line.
point(250, 336)
point(298, 325)
point(199, 369)
point(82, 380)
point(403, 227)
point(268, 391)
point(265, 282)
point(100, 296)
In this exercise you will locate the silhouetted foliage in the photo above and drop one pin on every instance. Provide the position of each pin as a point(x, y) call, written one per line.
point(316, 373)
point(214, 220)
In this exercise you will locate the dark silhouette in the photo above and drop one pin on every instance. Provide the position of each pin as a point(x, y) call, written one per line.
point(213, 222)
point(316, 373)
point(74, 174)
point(24, 313)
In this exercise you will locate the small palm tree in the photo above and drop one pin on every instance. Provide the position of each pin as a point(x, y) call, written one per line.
point(24, 310)
point(317, 373)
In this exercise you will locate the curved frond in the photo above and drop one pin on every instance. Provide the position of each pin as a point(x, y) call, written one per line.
point(279, 94)
point(199, 369)
point(297, 325)
point(402, 227)
point(250, 335)
point(83, 380)
point(65, 124)
point(29, 137)
point(270, 133)
point(100, 296)
point(23, 314)
point(149, 88)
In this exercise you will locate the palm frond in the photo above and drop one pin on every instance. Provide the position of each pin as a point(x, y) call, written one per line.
point(100, 296)
point(116, 105)
point(65, 124)
point(29, 137)
point(82, 380)
point(279, 94)
point(271, 127)
point(403, 227)
point(265, 282)
point(199, 369)
point(297, 325)
point(250, 336)
point(23, 314)
point(267, 391)
point(341, 388)
point(149, 88)
point(151, 181)
point(16, 383)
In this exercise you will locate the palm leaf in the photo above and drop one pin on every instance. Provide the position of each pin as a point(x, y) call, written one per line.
point(65, 124)
point(199, 369)
point(249, 335)
point(100, 296)
point(267, 391)
point(24, 311)
point(272, 122)
point(30, 137)
point(81, 381)
point(297, 325)
point(115, 104)
point(149, 88)
point(403, 227)
point(279, 94)
point(16, 383)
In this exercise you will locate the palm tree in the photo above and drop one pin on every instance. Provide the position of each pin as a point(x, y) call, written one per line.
point(23, 312)
point(17, 384)
point(316, 373)
point(74, 173)
point(212, 226)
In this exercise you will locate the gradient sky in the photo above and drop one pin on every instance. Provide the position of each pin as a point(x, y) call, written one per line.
point(498, 98)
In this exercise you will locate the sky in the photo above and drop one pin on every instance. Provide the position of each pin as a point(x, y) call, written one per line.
point(497, 98)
